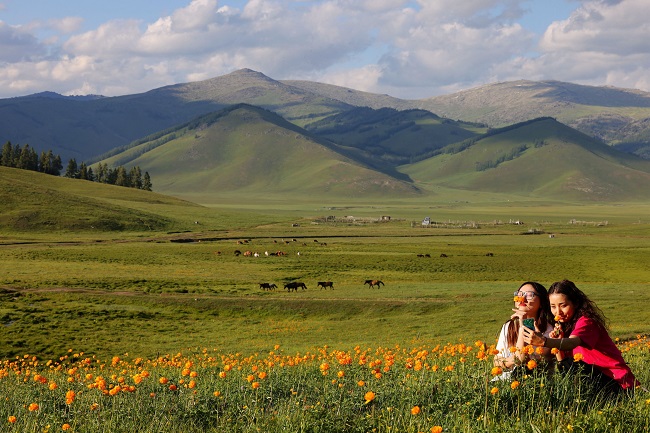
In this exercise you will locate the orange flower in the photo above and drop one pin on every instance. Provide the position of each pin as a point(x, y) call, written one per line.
point(577, 357)
point(192, 384)
point(341, 373)
point(496, 371)
point(494, 390)
point(361, 383)
point(250, 378)
point(163, 380)
point(531, 364)
point(12, 419)
point(69, 397)
point(415, 410)
point(94, 406)
point(261, 375)
point(173, 387)
point(53, 386)
point(369, 396)
point(216, 393)
point(33, 407)
point(555, 351)
point(222, 374)
point(255, 385)
point(66, 427)
point(519, 299)
point(514, 385)
point(557, 318)
point(436, 429)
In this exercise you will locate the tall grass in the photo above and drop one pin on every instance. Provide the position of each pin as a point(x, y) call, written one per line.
point(362, 389)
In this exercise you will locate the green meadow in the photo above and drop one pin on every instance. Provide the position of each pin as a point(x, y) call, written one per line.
point(154, 322)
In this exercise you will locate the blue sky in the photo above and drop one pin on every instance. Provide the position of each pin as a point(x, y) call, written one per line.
point(406, 48)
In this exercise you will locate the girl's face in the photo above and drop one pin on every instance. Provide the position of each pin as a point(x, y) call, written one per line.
point(561, 307)
point(528, 301)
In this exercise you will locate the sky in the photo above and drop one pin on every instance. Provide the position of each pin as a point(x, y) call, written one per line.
point(409, 49)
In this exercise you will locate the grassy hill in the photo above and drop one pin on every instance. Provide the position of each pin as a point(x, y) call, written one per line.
point(33, 202)
point(542, 158)
point(249, 151)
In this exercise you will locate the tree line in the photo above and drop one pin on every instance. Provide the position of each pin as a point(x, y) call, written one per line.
point(26, 158)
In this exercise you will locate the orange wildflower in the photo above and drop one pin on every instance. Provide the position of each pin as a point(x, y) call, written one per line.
point(555, 351)
point(577, 357)
point(361, 383)
point(163, 380)
point(66, 427)
point(514, 385)
point(33, 407)
point(12, 419)
point(255, 385)
point(69, 397)
point(415, 410)
point(436, 429)
point(496, 371)
point(494, 390)
point(531, 364)
point(369, 396)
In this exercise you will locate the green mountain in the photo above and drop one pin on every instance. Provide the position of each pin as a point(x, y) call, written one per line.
point(248, 151)
point(392, 136)
point(84, 128)
point(87, 127)
point(539, 158)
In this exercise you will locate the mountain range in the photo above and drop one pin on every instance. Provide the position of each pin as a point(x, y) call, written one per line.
point(247, 134)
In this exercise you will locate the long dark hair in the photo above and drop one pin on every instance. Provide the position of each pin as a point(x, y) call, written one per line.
point(543, 314)
point(583, 306)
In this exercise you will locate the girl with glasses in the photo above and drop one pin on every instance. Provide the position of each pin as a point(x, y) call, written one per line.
point(531, 302)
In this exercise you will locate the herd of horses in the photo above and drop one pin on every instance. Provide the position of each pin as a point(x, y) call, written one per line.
point(293, 286)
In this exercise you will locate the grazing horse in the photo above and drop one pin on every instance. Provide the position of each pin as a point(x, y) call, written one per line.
point(268, 286)
point(325, 284)
point(373, 283)
point(293, 286)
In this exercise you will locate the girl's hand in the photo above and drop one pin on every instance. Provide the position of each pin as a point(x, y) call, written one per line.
point(518, 314)
point(557, 331)
point(535, 338)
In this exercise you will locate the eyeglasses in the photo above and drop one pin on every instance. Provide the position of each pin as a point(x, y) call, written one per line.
point(527, 295)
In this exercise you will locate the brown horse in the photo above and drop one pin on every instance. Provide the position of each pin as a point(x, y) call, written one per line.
point(293, 286)
point(268, 286)
point(373, 283)
point(325, 284)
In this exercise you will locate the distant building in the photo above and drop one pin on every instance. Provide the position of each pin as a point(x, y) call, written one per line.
point(426, 221)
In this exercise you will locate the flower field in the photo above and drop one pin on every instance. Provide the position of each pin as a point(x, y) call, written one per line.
point(444, 388)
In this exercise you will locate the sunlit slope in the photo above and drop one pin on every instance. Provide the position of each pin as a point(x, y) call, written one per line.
point(36, 201)
point(542, 158)
point(251, 151)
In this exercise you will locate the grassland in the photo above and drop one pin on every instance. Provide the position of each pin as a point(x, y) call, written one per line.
point(123, 312)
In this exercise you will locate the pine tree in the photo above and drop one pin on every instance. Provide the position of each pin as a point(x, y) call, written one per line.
point(7, 158)
point(57, 166)
point(83, 171)
point(146, 182)
point(122, 178)
point(135, 177)
point(72, 170)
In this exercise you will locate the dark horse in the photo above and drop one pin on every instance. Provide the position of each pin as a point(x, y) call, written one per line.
point(373, 283)
point(268, 286)
point(325, 284)
point(293, 286)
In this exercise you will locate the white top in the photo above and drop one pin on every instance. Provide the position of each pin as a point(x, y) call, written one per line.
point(504, 349)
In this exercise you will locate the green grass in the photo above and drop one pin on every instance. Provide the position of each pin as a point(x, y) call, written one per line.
point(181, 289)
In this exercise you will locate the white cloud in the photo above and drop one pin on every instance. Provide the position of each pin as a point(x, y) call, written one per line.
point(407, 48)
